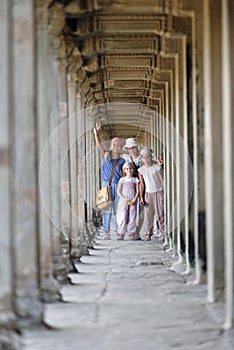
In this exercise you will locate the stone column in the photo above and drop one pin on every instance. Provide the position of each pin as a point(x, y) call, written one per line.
point(228, 155)
point(186, 158)
point(82, 163)
point(184, 22)
point(64, 143)
point(49, 286)
point(166, 169)
point(72, 127)
point(198, 143)
point(8, 336)
point(87, 171)
point(196, 165)
point(171, 65)
point(88, 177)
point(168, 122)
point(213, 149)
point(80, 174)
point(177, 45)
point(176, 177)
point(84, 182)
point(56, 23)
point(93, 167)
point(24, 190)
point(154, 132)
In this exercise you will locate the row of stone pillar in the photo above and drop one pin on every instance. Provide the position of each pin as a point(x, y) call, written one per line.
point(199, 74)
point(219, 156)
point(44, 138)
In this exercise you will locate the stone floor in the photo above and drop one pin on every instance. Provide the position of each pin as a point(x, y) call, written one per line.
point(126, 297)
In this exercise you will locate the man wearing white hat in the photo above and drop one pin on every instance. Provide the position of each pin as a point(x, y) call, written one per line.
point(134, 156)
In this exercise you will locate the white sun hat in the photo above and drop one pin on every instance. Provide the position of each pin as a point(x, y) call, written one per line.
point(146, 151)
point(131, 142)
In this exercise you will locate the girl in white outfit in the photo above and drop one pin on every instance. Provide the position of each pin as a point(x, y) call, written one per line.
point(128, 191)
point(151, 177)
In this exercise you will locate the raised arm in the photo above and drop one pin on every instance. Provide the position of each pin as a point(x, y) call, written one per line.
point(105, 154)
point(98, 140)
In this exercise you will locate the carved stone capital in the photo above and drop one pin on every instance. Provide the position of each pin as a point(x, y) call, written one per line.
point(42, 3)
point(74, 8)
point(56, 19)
point(62, 55)
point(92, 64)
point(74, 62)
point(81, 75)
point(71, 77)
point(62, 49)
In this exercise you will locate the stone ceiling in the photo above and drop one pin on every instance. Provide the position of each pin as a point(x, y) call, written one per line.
point(128, 50)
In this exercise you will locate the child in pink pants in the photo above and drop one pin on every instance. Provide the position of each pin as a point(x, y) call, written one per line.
point(151, 177)
point(128, 191)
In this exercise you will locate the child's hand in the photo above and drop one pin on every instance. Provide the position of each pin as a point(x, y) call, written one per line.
point(133, 202)
point(142, 201)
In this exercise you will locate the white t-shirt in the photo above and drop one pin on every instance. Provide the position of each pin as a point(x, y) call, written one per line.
point(151, 178)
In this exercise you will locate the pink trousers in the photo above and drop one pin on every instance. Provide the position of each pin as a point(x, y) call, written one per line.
point(154, 205)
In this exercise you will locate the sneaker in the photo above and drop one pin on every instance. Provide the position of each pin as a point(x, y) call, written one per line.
point(107, 236)
point(120, 236)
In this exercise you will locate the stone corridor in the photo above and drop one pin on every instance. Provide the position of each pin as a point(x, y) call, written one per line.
point(159, 71)
point(126, 296)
